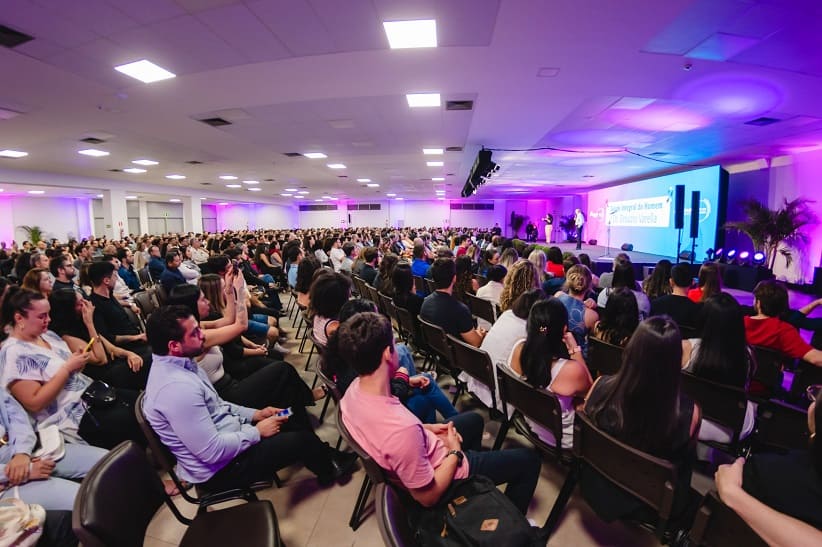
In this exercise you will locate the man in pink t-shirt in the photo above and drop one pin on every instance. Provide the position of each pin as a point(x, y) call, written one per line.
point(423, 458)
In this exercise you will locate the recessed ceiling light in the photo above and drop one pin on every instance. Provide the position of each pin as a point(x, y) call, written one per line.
point(318, 199)
point(373, 185)
point(421, 100)
point(440, 199)
point(13, 154)
point(315, 155)
point(336, 165)
point(433, 151)
point(233, 185)
point(251, 182)
point(144, 162)
point(363, 180)
point(255, 189)
point(303, 192)
point(145, 71)
point(391, 195)
point(439, 192)
point(286, 195)
point(131, 197)
point(175, 177)
point(99, 195)
point(202, 199)
point(399, 199)
point(174, 200)
point(228, 177)
point(133, 170)
point(328, 197)
point(223, 203)
point(93, 152)
point(37, 191)
point(411, 34)
point(290, 189)
point(438, 179)
point(434, 163)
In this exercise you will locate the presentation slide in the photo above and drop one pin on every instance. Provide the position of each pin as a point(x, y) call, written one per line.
point(642, 213)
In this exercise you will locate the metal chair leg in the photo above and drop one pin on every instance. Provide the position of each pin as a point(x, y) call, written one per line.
point(365, 490)
point(561, 501)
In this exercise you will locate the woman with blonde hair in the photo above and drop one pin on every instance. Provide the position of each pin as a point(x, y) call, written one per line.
point(581, 318)
point(38, 280)
point(522, 276)
point(540, 261)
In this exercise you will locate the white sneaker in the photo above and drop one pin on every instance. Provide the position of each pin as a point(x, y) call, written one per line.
point(280, 349)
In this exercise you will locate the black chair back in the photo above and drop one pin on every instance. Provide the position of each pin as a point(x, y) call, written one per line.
point(429, 284)
point(374, 296)
point(717, 525)
point(722, 404)
point(420, 286)
point(538, 405)
point(145, 277)
point(603, 358)
point(769, 366)
point(330, 384)
point(474, 362)
point(387, 303)
point(437, 341)
point(372, 469)
point(482, 308)
point(392, 517)
point(117, 499)
point(781, 426)
point(162, 294)
point(688, 331)
point(646, 477)
point(146, 301)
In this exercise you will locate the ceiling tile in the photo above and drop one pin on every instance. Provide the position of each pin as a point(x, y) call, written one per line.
point(296, 25)
point(97, 15)
point(243, 31)
point(39, 22)
point(148, 11)
point(353, 25)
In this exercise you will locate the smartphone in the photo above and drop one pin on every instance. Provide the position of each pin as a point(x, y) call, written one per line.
point(284, 413)
point(90, 343)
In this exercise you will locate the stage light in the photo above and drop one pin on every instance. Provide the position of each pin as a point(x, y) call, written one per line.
point(718, 255)
point(709, 254)
point(743, 259)
point(731, 256)
point(758, 259)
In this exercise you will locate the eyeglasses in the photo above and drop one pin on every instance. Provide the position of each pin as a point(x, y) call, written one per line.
point(813, 391)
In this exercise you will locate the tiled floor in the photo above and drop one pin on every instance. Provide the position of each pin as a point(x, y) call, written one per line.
point(310, 516)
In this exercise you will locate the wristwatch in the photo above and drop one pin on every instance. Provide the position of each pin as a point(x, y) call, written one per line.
point(459, 454)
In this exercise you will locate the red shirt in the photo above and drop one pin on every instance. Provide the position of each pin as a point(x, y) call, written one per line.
point(555, 269)
point(776, 334)
point(696, 295)
point(461, 251)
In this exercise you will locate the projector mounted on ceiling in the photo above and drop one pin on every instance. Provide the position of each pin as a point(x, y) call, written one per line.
point(480, 172)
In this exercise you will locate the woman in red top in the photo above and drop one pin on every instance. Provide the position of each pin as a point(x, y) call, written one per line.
point(554, 266)
point(710, 283)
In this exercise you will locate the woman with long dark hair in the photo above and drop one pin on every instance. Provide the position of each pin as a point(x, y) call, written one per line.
point(619, 319)
point(709, 283)
point(539, 359)
point(305, 275)
point(722, 355)
point(658, 283)
point(624, 277)
point(328, 294)
point(642, 406)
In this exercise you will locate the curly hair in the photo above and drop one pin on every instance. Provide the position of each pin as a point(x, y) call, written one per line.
point(464, 277)
point(522, 276)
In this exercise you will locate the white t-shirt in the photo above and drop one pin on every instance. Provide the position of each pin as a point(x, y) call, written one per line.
point(21, 360)
point(337, 256)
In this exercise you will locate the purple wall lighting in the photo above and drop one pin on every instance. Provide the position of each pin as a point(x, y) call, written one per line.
point(733, 95)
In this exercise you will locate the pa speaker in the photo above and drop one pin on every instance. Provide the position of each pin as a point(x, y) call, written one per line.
point(627, 247)
point(679, 207)
point(592, 242)
point(695, 214)
point(686, 255)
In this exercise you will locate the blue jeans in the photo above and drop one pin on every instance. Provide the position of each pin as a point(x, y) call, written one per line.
point(518, 467)
point(424, 403)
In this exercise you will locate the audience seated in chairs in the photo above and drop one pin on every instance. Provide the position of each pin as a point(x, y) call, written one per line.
point(443, 309)
point(493, 289)
point(423, 458)
point(382, 281)
point(709, 283)
point(328, 294)
point(464, 282)
point(217, 444)
point(581, 318)
point(722, 355)
point(110, 319)
point(619, 319)
point(624, 277)
point(404, 295)
point(658, 284)
point(72, 318)
point(768, 330)
point(43, 374)
point(537, 359)
point(418, 392)
point(642, 406)
point(39, 281)
point(306, 269)
point(676, 303)
point(522, 277)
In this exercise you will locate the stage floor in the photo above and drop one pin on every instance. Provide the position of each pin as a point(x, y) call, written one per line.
point(600, 253)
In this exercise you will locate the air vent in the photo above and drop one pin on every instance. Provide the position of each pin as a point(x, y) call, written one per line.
point(342, 176)
point(206, 183)
point(215, 122)
point(194, 162)
point(116, 170)
point(11, 38)
point(454, 148)
point(459, 105)
point(292, 154)
point(473, 206)
point(364, 207)
point(764, 120)
point(268, 180)
point(92, 140)
point(318, 207)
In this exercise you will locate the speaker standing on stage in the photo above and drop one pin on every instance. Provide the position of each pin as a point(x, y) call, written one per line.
point(579, 222)
point(548, 219)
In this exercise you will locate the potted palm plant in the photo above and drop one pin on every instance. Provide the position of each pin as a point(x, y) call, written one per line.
point(517, 221)
point(767, 228)
point(33, 233)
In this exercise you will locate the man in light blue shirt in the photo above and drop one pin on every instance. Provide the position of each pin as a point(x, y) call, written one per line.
point(218, 444)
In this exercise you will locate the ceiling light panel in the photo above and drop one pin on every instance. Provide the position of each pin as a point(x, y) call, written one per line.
point(411, 34)
point(373, 185)
point(233, 185)
point(93, 152)
point(423, 100)
point(133, 170)
point(251, 182)
point(145, 162)
point(315, 155)
point(228, 177)
point(175, 177)
point(336, 165)
point(145, 71)
point(363, 180)
point(434, 163)
point(433, 151)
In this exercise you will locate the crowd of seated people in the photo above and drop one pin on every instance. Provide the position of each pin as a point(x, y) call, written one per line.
point(70, 322)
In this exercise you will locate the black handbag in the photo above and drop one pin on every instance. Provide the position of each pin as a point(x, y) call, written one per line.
point(474, 512)
point(99, 395)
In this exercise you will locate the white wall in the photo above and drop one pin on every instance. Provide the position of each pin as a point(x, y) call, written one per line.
point(61, 218)
point(254, 216)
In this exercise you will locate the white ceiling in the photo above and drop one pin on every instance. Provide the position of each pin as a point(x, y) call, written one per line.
point(317, 75)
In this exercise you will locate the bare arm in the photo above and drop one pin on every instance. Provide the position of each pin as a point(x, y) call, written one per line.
point(222, 335)
point(775, 528)
point(810, 307)
point(473, 337)
point(813, 357)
